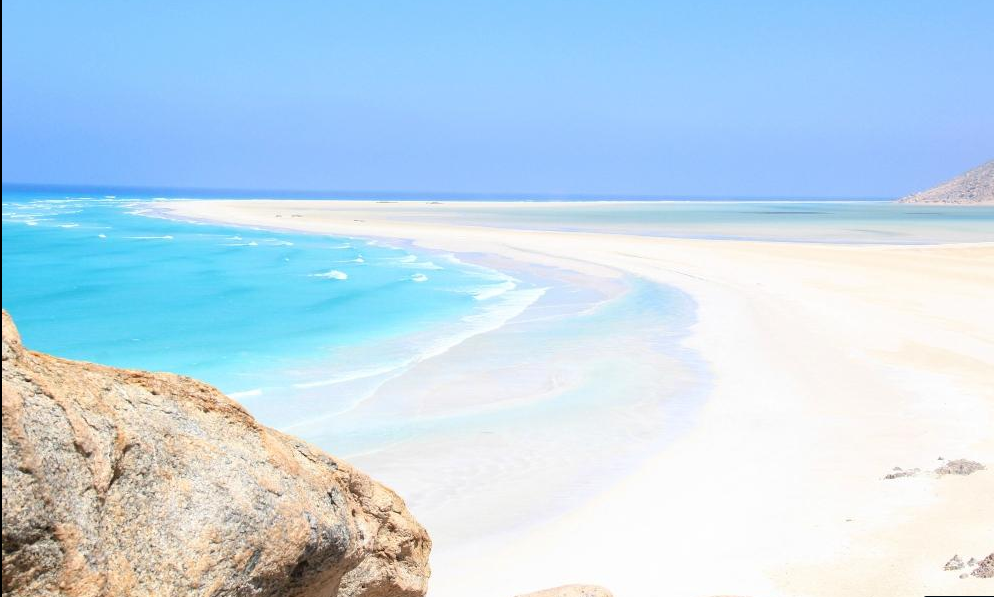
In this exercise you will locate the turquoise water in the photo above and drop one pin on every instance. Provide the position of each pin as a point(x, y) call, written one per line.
point(96, 278)
point(253, 312)
point(333, 338)
point(806, 221)
point(468, 390)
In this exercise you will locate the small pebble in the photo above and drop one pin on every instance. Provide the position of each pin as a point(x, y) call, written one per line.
point(954, 563)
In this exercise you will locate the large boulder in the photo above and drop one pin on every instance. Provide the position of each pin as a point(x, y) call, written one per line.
point(131, 483)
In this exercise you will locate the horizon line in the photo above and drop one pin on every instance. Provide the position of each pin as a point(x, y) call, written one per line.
point(273, 193)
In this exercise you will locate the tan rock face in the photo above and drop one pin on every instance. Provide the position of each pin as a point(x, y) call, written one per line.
point(131, 483)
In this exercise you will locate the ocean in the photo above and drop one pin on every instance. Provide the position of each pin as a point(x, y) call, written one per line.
point(511, 379)
point(862, 221)
point(256, 313)
point(267, 315)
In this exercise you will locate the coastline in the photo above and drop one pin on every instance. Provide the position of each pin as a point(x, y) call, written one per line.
point(779, 484)
point(824, 222)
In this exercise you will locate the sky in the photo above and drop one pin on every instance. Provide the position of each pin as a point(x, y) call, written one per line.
point(699, 98)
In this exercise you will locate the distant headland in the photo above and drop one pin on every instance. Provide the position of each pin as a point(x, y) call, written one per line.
point(975, 187)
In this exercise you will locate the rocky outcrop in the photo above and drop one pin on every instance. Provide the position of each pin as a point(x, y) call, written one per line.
point(985, 567)
point(571, 591)
point(898, 472)
point(960, 466)
point(123, 482)
point(975, 187)
point(954, 563)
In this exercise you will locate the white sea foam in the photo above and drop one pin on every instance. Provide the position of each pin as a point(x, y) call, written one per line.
point(101, 236)
point(351, 376)
point(499, 282)
point(68, 225)
point(358, 259)
point(410, 261)
point(491, 317)
point(415, 264)
point(419, 277)
point(493, 291)
point(332, 274)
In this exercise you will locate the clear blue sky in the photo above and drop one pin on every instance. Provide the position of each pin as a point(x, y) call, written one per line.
point(791, 98)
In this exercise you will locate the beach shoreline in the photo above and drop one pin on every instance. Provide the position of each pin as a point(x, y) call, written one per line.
point(832, 364)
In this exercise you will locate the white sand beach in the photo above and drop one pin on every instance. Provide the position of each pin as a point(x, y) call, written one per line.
point(830, 365)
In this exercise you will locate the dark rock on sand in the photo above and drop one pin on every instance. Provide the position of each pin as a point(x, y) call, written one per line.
point(985, 569)
point(960, 467)
point(123, 482)
point(898, 472)
point(954, 563)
